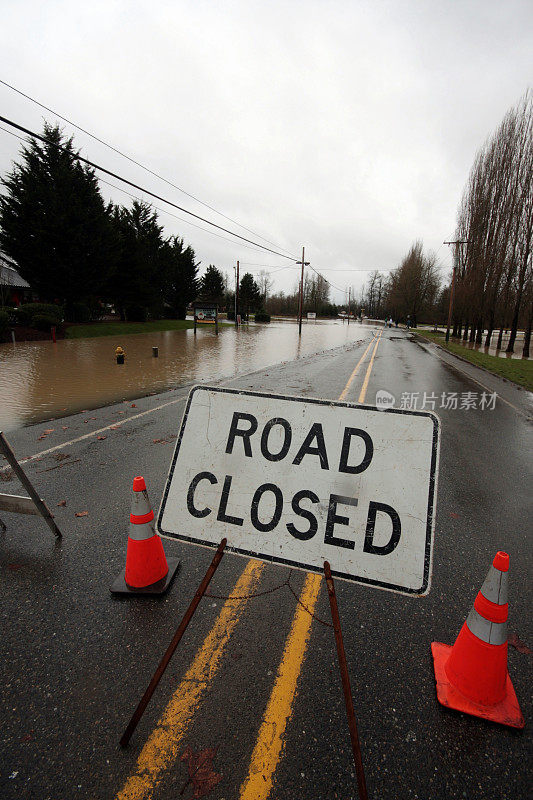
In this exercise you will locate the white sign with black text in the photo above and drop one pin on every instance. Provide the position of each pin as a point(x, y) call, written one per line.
point(300, 481)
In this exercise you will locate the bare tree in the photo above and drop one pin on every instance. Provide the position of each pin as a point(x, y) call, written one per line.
point(496, 219)
point(265, 283)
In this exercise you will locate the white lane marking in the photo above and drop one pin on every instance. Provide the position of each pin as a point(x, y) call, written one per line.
point(116, 424)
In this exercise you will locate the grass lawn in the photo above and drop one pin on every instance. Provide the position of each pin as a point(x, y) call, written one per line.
point(123, 328)
point(518, 370)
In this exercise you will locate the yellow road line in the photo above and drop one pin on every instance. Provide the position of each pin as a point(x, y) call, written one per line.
point(369, 370)
point(161, 749)
point(356, 370)
point(269, 744)
point(258, 783)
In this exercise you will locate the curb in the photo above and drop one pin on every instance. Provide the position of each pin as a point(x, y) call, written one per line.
point(477, 366)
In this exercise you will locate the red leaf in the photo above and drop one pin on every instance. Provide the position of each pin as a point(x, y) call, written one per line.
point(81, 514)
point(519, 645)
point(101, 438)
point(50, 430)
point(201, 772)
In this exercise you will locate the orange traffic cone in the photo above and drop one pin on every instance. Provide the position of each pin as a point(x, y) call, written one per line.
point(147, 569)
point(472, 675)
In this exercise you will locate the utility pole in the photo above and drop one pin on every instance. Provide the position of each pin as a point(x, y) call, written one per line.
point(452, 289)
point(301, 298)
point(349, 305)
point(237, 297)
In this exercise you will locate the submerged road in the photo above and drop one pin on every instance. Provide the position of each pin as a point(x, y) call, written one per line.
point(254, 690)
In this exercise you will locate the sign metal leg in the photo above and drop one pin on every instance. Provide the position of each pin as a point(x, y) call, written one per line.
point(352, 723)
point(41, 507)
point(139, 711)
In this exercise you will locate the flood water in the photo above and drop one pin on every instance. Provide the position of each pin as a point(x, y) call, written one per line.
point(41, 380)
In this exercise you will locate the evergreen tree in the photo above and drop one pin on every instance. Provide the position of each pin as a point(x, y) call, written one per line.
point(212, 285)
point(136, 284)
point(181, 282)
point(249, 294)
point(54, 223)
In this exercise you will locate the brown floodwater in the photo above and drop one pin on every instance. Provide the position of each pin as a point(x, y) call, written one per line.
point(41, 380)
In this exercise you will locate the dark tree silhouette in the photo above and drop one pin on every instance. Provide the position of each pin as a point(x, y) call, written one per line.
point(54, 223)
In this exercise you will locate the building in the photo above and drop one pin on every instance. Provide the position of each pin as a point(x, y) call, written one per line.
point(14, 290)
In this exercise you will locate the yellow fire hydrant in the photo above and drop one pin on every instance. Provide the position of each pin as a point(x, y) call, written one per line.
point(120, 354)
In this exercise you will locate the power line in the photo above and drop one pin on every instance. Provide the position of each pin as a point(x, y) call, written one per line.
point(162, 210)
point(146, 191)
point(357, 269)
point(137, 163)
point(169, 213)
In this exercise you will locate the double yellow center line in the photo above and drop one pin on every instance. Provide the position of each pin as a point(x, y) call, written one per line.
point(162, 746)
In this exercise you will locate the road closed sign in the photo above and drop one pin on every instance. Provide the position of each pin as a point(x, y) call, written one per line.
point(298, 482)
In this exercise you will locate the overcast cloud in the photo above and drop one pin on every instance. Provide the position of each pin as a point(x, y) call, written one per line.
point(347, 127)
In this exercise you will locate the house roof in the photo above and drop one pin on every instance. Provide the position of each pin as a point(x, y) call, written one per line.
point(9, 275)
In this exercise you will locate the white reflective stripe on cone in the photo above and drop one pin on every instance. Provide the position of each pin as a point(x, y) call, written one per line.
point(495, 586)
point(143, 530)
point(490, 632)
point(140, 504)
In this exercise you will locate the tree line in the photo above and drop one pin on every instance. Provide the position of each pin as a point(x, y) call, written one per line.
point(493, 256)
point(411, 292)
point(78, 252)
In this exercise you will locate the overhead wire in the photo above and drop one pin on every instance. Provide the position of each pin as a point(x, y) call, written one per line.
point(139, 164)
point(175, 216)
point(162, 210)
point(146, 191)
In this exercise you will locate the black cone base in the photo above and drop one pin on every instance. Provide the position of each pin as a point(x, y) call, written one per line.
point(119, 585)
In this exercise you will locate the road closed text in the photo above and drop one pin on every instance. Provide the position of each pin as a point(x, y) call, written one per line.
point(301, 481)
point(268, 500)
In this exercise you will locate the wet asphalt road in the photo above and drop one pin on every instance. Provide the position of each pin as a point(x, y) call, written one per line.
point(75, 661)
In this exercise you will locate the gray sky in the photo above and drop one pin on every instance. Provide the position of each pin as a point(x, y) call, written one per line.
point(347, 127)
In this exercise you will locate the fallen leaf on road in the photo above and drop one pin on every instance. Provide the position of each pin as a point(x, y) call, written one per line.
point(101, 438)
point(114, 427)
point(519, 645)
point(62, 503)
point(81, 514)
point(50, 430)
point(64, 427)
point(454, 515)
point(201, 772)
